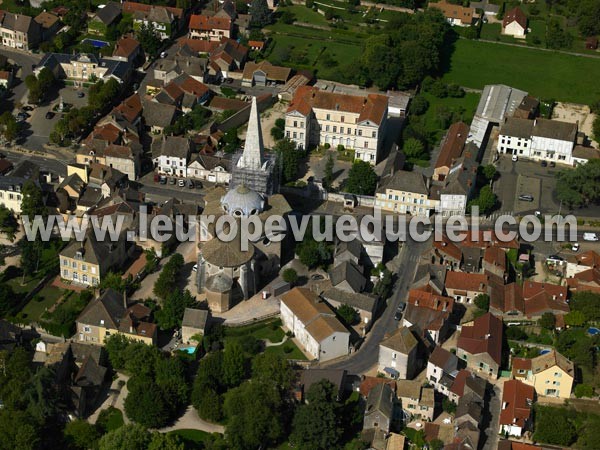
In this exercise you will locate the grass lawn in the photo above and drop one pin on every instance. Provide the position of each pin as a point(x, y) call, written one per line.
point(191, 436)
point(110, 419)
point(304, 14)
point(270, 330)
point(280, 350)
point(543, 74)
point(464, 106)
point(47, 297)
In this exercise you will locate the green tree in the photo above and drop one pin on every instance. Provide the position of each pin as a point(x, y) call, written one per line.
point(316, 425)
point(362, 179)
point(277, 133)
point(448, 405)
point(348, 314)
point(596, 128)
point(260, 14)
point(548, 321)
point(290, 275)
point(272, 368)
point(32, 205)
point(328, 174)
point(252, 423)
point(486, 201)
point(10, 127)
point(234, 364)
point(588, 303)
point(166, 441)
point(288, 157)
point(553, 426)
point(584, 390)
point(414, 149)
point(575, 319)
point(144, 403)
point(81, 435)
point(149, 39)
point(588, 17)
point(167, 280)
point(314, 254)
point(482, 301)
point(418, 105)
point(8, 223)
point(231, 141)
point(489, 172)
point(287, 17)
point(128, 437)
point(173, 307)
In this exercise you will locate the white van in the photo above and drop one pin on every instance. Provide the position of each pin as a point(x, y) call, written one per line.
point(590, 237)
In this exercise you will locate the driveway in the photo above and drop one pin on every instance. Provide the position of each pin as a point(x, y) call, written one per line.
point(191, 421)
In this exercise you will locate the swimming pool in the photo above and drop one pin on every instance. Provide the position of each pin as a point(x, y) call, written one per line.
point(96, 43)
point(544, 352)
point(188, 350)
point(593, 331)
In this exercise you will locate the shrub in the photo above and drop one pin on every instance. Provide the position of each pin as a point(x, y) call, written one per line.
point(584, 390)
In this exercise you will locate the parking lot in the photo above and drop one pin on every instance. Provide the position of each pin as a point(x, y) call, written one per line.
point(524, 177)
point(37, 128)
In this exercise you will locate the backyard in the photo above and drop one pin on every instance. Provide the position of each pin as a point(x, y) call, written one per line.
point(474, 64)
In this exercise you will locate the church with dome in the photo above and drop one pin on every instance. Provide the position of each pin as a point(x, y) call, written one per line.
point(227, 273)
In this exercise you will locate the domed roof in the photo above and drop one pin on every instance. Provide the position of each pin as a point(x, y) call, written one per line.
point(226, 254)
point(242, 202)
point(219, 282)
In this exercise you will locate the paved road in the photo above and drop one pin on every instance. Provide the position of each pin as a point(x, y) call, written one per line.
point(491, 431)
point(367, 355)
point(27, 62)
point(58, 166)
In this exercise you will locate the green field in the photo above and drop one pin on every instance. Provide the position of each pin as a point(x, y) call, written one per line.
point(543, 74)
point(464, 107)
point(42, 301)
point(192, 438)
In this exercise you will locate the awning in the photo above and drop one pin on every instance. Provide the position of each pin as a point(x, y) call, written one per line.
point(392, 372)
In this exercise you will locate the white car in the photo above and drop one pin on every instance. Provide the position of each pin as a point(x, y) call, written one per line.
point(195, 268)
point(590, 237)
point(515, 158)
point(181, 183)
point(575, 247)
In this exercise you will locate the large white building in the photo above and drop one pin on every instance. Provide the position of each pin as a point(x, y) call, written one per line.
point(316, 117)
point(314, 324)
point(171, 154)
point(538, 139)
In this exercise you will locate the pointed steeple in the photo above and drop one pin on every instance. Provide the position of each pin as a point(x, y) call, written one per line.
point(252, 157)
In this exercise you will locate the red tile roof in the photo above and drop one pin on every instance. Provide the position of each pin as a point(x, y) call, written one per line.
point(484, 336)
point(466, 281)
point(589, 259)
point(131, 107)
point(198, 45)
point(370, 382)
point(256, 44)
point(126, 46)
point(458, 387)
point(131, 7)
point(495, 256)
point(453, 144)
point(430, 300)
point(373, 107)
point(516, 403)
point(521, 364)
point(203, 22)
point(544, 297)
point(194, 87)
point(515, 15)
point(449, 248)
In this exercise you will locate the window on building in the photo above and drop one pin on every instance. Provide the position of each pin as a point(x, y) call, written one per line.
point(366, 144)
point(301, 135)
point(341, 130)
point(326, 127)
point(295, 135)
point(74, 265)
point(84, 278)
point(342, 119)
point(360, 132)
point(374, 134)
point(328, 117)
point(295, 123)
point(287, 134)
point(87, 329)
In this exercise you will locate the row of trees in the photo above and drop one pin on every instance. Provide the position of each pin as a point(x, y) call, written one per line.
point(579, 186)
point(40, 85)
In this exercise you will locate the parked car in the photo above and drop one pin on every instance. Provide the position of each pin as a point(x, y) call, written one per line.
point(590, 237)
point(198, 185)
point(181, 183)
point(195, 268)
point(190, 184)
point(156, 178)
point(172, 180)
point(575, 247)
point(49, 115)
point(27, 108)
point(555, 258)
point(163, 179)
point(515, 158)
point(552, 164)
point(163, 54)
point(526, 197)
point(544, 163)
point(80, 94)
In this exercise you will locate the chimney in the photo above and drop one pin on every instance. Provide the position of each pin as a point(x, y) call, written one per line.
point(487, 336)
point(504, 405)
point(125, 300)
point(417, 302)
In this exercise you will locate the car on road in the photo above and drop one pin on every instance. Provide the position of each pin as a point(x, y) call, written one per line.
point(590, 237)
point(555, 258)
point(49, 115)
point(575, 247)
point(515, 158)
point(163, 179)
point(23, 115)
point(172, 180)
point(163, 54)
point(316, 277)
point(181, 183)
point(190, 184)
point(526, 197)
point(27, 108)
point(544, 163)
point(80, 94)
point(195, 268)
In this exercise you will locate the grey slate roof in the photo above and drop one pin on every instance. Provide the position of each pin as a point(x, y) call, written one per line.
point(349, 272)
point(499, 101)
point(108, 307)
point(380, 399)
point(195, 318)
point(362, 302)
point(109, 13)
point(173, 146)
point(516, 127)
point(555, 129)
point(406, 181)
point(94, 252)
point(402, 340)
point(158, 114)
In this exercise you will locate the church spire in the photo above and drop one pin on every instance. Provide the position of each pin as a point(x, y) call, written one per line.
point(252, 157)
